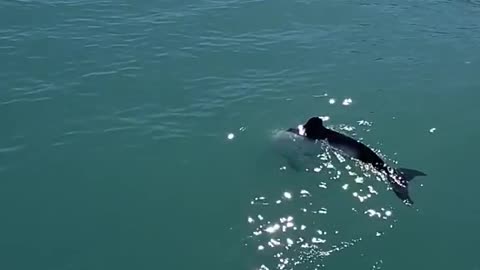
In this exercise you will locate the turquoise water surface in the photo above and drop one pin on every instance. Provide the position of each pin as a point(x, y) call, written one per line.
point(148, 134)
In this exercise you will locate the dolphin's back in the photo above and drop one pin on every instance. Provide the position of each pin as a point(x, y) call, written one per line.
point(353, 148)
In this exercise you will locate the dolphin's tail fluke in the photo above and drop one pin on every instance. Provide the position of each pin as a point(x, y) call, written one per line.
point(409, 174)
point(402, 190)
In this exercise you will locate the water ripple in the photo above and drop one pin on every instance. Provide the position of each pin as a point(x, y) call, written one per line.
point(144, 120)
point(24, 100)
point(11, 149)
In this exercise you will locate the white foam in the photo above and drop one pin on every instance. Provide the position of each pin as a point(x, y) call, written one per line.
point(301, 130)
point(347, 101)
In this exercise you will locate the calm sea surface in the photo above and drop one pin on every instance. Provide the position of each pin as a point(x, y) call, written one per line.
point(147, 134)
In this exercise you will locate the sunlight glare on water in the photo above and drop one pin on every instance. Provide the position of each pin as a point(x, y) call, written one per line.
point(296, 235)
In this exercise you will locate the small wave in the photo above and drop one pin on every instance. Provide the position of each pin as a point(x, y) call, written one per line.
point(24, 100)
point(11, 149)
point(117, 129)
point(99, 73)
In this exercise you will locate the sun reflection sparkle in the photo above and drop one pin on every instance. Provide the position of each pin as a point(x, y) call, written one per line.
point(293, 231)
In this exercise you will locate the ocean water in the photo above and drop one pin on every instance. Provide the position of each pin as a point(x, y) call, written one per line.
point(148, 134)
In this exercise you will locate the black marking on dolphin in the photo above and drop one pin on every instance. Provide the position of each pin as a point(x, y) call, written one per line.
point(398, 178)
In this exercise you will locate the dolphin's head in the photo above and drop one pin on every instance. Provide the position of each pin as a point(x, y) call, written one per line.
point(313, 129)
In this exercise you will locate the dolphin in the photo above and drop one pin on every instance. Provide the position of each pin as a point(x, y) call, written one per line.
point(398, 178)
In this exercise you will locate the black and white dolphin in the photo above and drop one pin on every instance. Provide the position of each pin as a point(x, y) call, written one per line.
point(398, 178)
